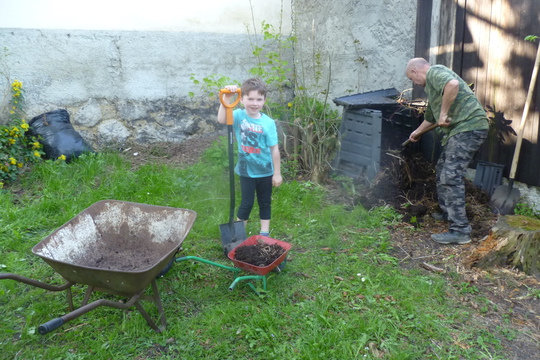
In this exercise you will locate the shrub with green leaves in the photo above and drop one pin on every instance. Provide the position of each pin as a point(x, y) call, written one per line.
point(16, 149)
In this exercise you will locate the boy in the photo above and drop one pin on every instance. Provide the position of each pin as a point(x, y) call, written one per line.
point(259, 161)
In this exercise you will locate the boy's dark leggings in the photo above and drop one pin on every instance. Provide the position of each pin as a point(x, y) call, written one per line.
point(263, 188)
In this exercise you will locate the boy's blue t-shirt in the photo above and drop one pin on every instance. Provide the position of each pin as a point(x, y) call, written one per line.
point(254, 137)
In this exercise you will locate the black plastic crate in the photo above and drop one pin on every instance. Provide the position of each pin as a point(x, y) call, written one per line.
point(488, 176)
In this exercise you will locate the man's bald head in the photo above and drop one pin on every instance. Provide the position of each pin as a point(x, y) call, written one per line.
point(416, 70)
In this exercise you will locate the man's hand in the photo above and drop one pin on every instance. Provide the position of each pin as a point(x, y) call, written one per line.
point(414, 137)
point(444, 120)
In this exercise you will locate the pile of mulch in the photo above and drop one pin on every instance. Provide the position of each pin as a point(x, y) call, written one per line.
point(407, 183)
point(260, 254)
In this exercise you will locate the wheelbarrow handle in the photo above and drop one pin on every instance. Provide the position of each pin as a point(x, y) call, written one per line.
point(229, 106)
point(50, 326)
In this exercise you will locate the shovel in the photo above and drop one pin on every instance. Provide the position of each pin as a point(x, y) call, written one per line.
point(233, 232)
point(505, 197)
point(428, 129)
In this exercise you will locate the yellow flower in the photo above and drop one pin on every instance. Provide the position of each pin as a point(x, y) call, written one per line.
point(12, 161)
point(11, 141)
point(1, 185)
point(12, 112)
point(20, 165)
point(25, 126)
point(36, 145)
point(289, 104)
point(62, 157)
point(37, 154)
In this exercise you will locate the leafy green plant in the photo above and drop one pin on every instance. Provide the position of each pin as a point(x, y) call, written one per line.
point(16, 149)
point(211, 84)
point(526, 210)
point(314, 136)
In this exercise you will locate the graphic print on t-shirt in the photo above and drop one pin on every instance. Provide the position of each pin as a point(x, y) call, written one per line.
point(250, 157)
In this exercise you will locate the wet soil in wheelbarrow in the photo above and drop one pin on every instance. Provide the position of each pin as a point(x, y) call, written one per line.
point(260, 254)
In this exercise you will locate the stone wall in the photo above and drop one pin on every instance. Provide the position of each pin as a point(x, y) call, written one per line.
point(125, 86)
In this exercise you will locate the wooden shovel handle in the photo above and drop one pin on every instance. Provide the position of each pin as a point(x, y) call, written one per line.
point(428, 129)
point(525, 115)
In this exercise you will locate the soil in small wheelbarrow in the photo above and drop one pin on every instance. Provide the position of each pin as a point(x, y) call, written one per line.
point(260, 254)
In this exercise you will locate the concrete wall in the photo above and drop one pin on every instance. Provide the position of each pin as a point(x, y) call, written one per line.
point(122, 68)
point(125, 85)
point(122, 86)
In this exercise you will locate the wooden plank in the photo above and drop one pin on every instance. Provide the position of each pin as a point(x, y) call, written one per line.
point(459, 33)
point(530, 153)
point(497, 57)
point(423, 38)
point(423, 28)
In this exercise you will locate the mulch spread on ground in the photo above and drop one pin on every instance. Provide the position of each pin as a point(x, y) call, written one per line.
point(260, 254)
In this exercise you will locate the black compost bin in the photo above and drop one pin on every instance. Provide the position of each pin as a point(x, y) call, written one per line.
point(372, 124)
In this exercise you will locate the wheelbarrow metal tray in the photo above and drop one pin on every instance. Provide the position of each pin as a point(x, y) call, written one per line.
point(116, 246)
point(259, 270)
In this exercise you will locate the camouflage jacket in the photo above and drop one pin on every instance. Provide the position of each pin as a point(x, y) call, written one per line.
point(466, 112)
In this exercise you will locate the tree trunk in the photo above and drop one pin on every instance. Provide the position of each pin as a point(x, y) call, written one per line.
point(514, 240)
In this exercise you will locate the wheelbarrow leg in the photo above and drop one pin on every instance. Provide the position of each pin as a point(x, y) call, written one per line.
point(249, 277)
point(87, 295)
point(156, 299)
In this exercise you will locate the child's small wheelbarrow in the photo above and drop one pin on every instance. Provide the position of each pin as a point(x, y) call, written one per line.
point(114, 247)
point(259, 272)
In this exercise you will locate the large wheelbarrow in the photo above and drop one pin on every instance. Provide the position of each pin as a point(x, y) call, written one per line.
point(114, 247)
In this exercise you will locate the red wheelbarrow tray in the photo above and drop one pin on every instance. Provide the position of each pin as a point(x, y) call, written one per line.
point(259, 270)
point(116, 246)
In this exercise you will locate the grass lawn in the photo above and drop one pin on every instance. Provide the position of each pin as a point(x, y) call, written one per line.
point(341, 295)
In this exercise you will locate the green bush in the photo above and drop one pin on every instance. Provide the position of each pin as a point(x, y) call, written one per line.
point(16, 149)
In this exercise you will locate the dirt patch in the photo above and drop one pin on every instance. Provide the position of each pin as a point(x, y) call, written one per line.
point(260, 254)
point(179, 154)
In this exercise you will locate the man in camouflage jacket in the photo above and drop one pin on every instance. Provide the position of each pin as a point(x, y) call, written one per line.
point(459, 114)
